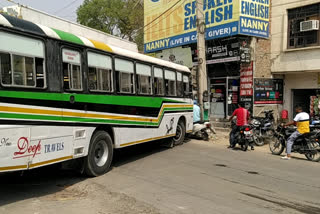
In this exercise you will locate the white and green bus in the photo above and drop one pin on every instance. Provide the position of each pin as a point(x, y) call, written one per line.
point(65, 97)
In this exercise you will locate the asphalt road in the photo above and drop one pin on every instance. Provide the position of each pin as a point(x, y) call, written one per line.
point(197, 177)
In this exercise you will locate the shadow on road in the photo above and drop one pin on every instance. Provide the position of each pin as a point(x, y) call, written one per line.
point(18, 186)
point(133, 153)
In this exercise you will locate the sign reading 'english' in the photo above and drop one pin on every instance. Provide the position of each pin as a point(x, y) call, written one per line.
point(171, 24)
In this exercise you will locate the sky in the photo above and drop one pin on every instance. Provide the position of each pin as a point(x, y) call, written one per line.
point(65, 9)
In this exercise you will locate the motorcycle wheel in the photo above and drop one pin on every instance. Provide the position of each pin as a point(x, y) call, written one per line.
point(313, 157)
point(210, 133)
point(205, 136)
point(276, 146)
point(270, 133)
point(244, 147)
point(257, 139)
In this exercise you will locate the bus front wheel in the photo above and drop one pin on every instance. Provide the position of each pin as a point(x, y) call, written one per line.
point(100, 154)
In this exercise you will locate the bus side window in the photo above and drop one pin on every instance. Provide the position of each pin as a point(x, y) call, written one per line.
point(6, 71)
point(72, 76)
point(27, 71)
point(186, 84)
point(170, 82)
point(125, 75)
point(21, 61)
point(143, 78)
point(179, 85)
point(158, 81)
point(100, 72)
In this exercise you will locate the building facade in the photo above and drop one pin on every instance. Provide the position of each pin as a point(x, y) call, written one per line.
point(237, 48)
point(295, 52)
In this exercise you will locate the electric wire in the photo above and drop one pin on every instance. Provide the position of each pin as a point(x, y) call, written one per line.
point(65, 7)
point(163, 13)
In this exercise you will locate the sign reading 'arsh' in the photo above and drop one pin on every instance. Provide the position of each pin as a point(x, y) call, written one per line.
point(170, 23)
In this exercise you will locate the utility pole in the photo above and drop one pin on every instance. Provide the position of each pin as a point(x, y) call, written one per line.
point(202, 64)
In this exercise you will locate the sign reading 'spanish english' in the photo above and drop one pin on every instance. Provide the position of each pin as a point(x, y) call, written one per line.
point(170, 23)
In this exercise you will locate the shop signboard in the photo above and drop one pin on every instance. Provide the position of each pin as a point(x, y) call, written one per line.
point(245, 52)
point(246, 85)
point(172, 23)
point(268, 91)
point(222, 50)
point(254, 18)
point(177, 55)
point(246, 80)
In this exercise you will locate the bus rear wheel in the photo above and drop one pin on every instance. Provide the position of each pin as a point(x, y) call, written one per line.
point(100, 154)
point(180, 134)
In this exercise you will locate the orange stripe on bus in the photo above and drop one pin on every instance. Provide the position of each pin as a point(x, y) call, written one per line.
point(90, 115)
point(146, 140)
point(50, 161)
point(101, 45)
point(8, 168)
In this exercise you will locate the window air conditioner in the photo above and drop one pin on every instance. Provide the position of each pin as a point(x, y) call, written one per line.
point(309, 25)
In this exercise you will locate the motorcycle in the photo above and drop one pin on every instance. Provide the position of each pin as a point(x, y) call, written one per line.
point(202, 130)
point(244, 136)
point(263, 127)
point(306, 144)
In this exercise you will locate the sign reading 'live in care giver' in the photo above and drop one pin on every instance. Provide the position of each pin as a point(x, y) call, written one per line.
point(172, 23)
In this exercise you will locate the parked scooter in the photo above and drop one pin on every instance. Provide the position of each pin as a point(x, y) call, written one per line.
point(263, 127)
point(244, 136)
point(306, 144)
point(202, 130)
point(315, 124)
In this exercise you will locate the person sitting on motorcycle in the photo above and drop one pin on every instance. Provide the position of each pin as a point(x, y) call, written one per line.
point(302, 122)
point(196, 112)
point(243, 116)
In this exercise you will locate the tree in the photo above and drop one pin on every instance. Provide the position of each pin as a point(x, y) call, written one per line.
point(123, 18)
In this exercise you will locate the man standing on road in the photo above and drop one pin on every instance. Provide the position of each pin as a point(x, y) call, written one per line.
point(196, 112)
point(243, 116)
point(302, 122)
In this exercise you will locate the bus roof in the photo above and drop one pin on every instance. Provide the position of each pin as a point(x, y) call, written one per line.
point(13, 22)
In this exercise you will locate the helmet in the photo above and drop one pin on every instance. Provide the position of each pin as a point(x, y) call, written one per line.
point(195, 102)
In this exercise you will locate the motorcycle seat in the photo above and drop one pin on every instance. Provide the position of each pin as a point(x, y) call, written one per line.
point(307, 135)
point(200, 122)
point(258, 118)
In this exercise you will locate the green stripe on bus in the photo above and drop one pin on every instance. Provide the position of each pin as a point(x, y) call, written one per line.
point(137, 101)
point(68, 37)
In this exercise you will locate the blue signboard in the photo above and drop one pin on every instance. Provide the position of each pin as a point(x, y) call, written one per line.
point(222, 18)
point(254, 18)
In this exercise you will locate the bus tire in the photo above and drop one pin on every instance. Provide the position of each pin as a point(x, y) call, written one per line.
point(180, 134)
point(100, 154)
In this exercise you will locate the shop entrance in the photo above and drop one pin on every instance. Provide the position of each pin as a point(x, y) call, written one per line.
point(224, 96)
point(308, 99)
